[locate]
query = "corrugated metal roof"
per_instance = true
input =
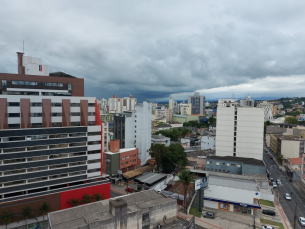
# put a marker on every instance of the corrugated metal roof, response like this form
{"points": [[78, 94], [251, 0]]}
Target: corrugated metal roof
{"points": [[233, 183]]}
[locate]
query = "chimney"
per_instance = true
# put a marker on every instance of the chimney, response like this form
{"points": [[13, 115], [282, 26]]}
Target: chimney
{"points": [[130, 96], [21, 68], [114, 96]]}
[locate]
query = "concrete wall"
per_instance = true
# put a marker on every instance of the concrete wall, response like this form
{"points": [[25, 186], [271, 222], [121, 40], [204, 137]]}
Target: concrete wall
{"points": [[208, 142], [229, 166], [253, 169], [290, 149]]}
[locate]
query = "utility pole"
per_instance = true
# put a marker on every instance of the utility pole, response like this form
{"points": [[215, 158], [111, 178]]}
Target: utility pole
{"points": [[200, 199], [254, 227]]}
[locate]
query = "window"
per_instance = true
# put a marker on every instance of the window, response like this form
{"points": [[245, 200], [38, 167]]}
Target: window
{"points": [[13, 115], [36, 114], [13, 104], [75, 114], [36, 104], [123, 158], [94, 161], [232, 164], [78, 154], [94, 133], [77, 163], [4, 84], [11, 172], [234, 154], [145, 217], [91, 104], [10, 161], [56, 104], [36, 125], [69, 86]]}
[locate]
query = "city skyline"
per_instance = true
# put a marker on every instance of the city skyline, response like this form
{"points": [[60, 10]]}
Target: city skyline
{"points": [[219, 49]]}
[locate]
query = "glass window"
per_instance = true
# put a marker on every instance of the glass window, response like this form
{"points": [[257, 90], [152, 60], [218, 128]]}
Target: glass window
{"points": [[4, 84], [69, 86], [14, 82], [21, 82], [13, 104], [54, 84], [60, 84], [145, 217]]}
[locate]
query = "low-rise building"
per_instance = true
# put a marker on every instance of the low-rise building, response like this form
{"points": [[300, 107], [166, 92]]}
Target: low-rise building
{"points": [[232, 194], [294, 163], [164, 126], [235, 165], [176, 124], [185, 142], [208, 142], [160, 139], [144, 209], [289, 146], [120, 160], [156, 181]]}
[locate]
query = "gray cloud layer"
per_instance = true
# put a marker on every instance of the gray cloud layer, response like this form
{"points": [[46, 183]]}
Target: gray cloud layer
{"points": [[154, 49]]}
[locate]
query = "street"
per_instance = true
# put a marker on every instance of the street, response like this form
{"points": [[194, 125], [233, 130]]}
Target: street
{"points": [[289, 206]]}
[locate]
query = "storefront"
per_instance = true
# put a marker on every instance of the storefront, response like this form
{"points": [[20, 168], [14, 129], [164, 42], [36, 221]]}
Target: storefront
{"points": [[231, 206]]}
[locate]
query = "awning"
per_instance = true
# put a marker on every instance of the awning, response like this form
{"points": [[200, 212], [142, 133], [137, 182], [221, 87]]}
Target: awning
{"points": [[137, 172], [231, 202]]}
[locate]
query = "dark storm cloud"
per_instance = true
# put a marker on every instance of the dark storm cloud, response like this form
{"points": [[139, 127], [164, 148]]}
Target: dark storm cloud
{"points": [[154, 49]]}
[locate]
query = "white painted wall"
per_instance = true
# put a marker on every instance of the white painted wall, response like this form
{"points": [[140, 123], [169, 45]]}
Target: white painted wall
{"points": [[208, 142], [290, 149]]}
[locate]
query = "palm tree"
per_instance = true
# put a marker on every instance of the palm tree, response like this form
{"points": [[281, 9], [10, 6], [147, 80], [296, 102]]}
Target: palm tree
{"points": [[6, 217], [27, 213], [185, 177], [87, 198], [44, 209], [74, 202], [98, 197]]}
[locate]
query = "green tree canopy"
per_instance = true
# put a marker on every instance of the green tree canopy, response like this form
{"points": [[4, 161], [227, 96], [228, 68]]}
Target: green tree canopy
{"points": [[291, 120], [27, 213], [168, 158], [6, 217], [173, 133], [44, 209]]}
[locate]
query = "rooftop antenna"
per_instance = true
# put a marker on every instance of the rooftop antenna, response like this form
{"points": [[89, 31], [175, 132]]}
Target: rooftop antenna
{"points": [[23, 46]]}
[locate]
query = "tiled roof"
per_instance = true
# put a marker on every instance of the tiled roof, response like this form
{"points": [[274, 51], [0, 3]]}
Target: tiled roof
{"points": [[296, 161]]}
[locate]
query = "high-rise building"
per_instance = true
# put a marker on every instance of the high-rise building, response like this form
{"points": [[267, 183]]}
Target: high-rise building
{"points": [[247, 102], [50, 140], [240, 131], [172, 104], [197, 102], [121, 104], [186, 109], [133, 129], [268, 110]]}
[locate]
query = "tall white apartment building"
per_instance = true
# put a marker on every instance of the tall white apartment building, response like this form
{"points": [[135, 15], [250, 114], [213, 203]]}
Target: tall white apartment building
{"points": [[240, 132], [121, 104], [268, 109], [102, 105], [247, 102], [186, 109], [172, 104], [133, 129]]}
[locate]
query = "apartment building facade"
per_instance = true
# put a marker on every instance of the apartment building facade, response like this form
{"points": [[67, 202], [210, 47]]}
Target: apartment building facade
{"points": [[240, 131], [247, 102], [50, 140], [198, 103], [133, 129], [268, 110], [121, 104]]}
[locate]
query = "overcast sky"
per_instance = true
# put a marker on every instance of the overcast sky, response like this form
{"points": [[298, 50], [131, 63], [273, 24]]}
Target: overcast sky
{"points": [[154, 49]]}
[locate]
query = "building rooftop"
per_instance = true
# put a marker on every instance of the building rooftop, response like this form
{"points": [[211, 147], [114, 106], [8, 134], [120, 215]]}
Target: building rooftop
{"points": [[159, 137], [151, 178], [233, 183], [296, 161], [81, 216], [121, 150], [163, 125], [248, 161]]}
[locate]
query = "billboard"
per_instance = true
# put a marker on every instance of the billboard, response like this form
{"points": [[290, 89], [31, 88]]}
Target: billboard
{"points": [[201, 183]]}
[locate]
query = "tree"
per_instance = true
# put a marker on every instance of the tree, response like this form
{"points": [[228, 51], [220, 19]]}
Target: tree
{"points": [[27, 213], [173, 158], [44, 209], [185, 177], [74, 202], [98, 197], [212, 120], [157, 151], [291, 120], [87, 198], [6, 217]]}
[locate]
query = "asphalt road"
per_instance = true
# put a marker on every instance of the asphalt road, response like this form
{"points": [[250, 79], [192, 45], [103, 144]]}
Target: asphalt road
{"points": [[289, 206]]}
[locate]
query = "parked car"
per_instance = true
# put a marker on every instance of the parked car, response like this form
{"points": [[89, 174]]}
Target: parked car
{"points": [[267, 227], [302, 221], [287, 196], [210, 215], [129, 189], [278, 181], [269, 212], [274, 185], [270, 157], [271, 179], [280, 168]]}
